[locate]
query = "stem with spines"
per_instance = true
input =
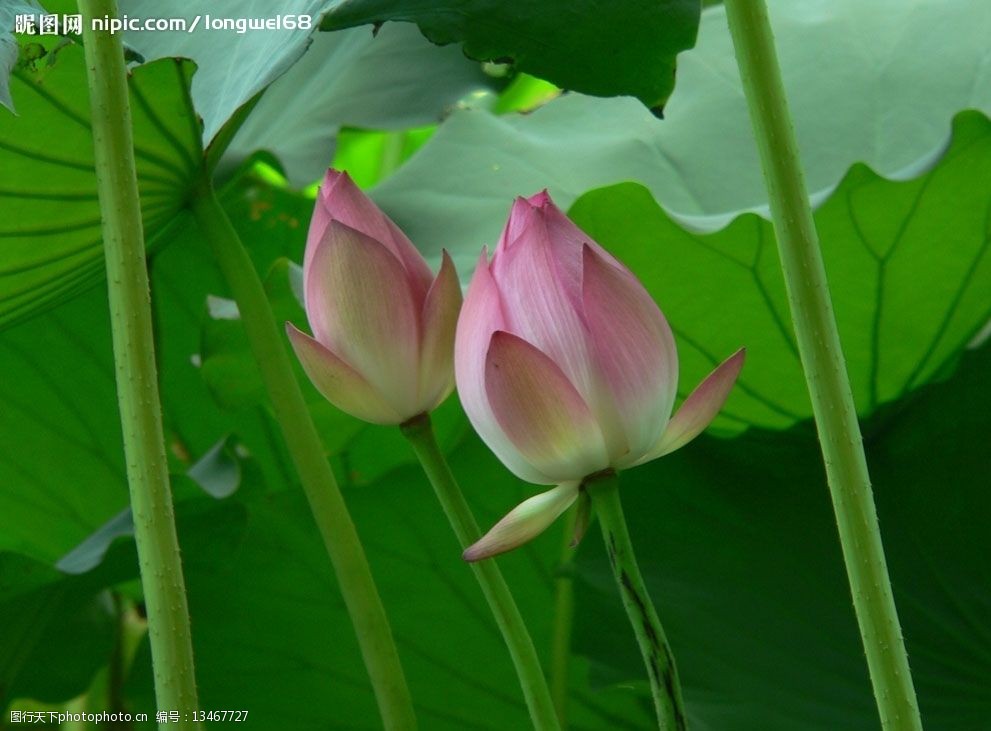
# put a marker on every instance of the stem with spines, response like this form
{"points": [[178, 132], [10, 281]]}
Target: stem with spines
{"points": [[824, 365], [134, 360]]}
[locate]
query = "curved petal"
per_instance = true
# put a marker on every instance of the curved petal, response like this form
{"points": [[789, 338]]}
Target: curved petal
{"points": [[481, 316], [338, 382], [634, 350], [541, 302], [521, 215], [524, 522], [360, 306], [700, 408], [540, 411], [439, 321], [341, 200], [569, 240]]}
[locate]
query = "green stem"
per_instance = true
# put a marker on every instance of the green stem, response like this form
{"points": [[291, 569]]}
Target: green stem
{"points": [[326, 502], [134, 359], [657, 656], [420, 434], [564, 610], [825, 369]]}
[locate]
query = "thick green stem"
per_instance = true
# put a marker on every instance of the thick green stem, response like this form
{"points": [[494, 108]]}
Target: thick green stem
{"points": [[134, 359], [326, 502], [420, 434], [657, 655], [564, 611], [825, 370]]}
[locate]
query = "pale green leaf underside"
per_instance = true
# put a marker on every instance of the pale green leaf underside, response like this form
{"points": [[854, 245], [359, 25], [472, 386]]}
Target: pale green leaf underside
{"points": [[907, 263], [868, 82], [391, 80], [234, 65]]}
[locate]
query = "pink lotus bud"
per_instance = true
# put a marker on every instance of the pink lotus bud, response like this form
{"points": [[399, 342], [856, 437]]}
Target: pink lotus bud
{"points": [[383, 326], [566, 366]]}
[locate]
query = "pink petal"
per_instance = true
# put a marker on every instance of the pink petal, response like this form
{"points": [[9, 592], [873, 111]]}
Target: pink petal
{"points": [[566, 238], [338, 382], [540, 411], [541, 302], [440, 319], [634, 350], [700, 408], [524, 522], [481, 316], [522, 213], [564, 230], [341, 200], [360, 306]]}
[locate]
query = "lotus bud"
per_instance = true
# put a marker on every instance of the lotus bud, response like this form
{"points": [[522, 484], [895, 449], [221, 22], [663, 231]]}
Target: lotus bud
{"points": [[383, 326], [566, 367]]}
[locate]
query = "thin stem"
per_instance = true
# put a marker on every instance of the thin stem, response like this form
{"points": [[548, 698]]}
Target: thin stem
{"points": [[326, 502], [825, 369], [134, 360], [564, 610], [657, 656], [420, 434]]}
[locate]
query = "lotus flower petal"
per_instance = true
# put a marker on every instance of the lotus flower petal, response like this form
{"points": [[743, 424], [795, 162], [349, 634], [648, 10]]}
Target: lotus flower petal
{"points": [[568, 240], [700, 408], [341, 200], [440, 318], [360, 306], [540, 300], [340, 383], [524, 522], [540, 411], [481, 316], [634, 350]]}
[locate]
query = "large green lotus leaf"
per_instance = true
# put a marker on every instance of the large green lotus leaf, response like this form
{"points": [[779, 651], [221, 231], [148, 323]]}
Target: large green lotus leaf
{"points": [[871, 82], [623, 47], [270, 625], [62, 468], [46, 172], [50, 238], [390, 80], [738, 545], [908, 268], [234, 64]]}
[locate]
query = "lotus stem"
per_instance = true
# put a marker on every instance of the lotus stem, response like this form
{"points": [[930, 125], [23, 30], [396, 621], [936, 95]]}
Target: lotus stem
{"points": [[825, 368], [420, 434], [665, 687], [134, 361]]}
